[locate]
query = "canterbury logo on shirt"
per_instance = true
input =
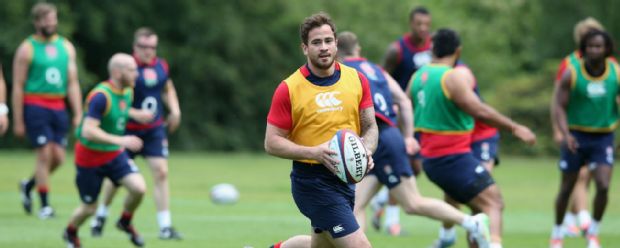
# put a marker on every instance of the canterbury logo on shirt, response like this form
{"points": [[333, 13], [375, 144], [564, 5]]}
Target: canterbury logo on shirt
{"points": [[328, 102]]}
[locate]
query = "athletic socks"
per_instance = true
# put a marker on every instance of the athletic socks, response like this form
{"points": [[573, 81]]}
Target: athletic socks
{"points": [[102, 211], [30, 184], [594, 228], [468, 223], [569, 219], [43, 195], [126, 218], [447, 234], [584, 217], [392, 215], [495, 245], [163, 219], [557, 232]]}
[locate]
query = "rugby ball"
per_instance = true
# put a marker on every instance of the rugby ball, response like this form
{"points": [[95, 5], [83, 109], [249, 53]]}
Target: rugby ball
{"points": [[224, 193], [351, 154]]}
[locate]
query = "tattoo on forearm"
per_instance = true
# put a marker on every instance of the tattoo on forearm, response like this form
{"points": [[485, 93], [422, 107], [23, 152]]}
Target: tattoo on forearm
{"points": [[368, 125]]}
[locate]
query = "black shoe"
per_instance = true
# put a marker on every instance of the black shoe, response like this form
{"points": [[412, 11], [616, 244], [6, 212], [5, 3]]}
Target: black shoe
{"points": [[168, 233], [133, 235], [72, 240], [96, 226], [25, 194]]}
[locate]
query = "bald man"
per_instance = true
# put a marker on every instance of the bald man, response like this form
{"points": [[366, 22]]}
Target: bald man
{"points": [[100, 148]]}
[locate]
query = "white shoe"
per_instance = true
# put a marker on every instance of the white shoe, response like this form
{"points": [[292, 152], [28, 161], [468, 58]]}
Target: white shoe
{"points": [[46, 213], [482, 234], [593, 242], [556, 243]]}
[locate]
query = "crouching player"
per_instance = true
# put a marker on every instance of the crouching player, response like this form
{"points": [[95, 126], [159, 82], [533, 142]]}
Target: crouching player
{"points": [[100, 153]]}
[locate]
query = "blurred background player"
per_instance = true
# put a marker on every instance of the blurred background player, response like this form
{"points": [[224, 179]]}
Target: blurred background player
{"points": [[153, 90], [392, 167], [589, 85], [4, 109], [402, 59], [307, 109], [44, 74], [445, 106], [100, 149], [578, 218], [485, 148]]}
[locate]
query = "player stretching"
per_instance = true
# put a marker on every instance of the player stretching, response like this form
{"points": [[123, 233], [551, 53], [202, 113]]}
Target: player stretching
{"points": [[44, 74], [100, 149], [586, 112], [154, 88], [307, 109], [445, 106]]}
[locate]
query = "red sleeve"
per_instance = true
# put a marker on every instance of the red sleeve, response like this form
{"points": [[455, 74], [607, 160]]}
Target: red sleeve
{"points": [[366, 95], [164, 64], [561, 69], [280, 110]]}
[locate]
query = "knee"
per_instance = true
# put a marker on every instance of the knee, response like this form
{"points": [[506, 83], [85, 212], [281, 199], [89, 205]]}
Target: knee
{"points": [[89, 209], [161, 174], [413, 206]]}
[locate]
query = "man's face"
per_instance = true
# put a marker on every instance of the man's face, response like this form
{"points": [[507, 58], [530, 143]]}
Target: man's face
{"points": [[420, 25], [145, 48], [321, 48], [47, 24], [129, 73], [595, 48]]}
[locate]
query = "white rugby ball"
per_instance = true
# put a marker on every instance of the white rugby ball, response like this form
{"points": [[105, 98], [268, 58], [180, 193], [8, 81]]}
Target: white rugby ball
{"points": [[351, 154], [224, 193]]}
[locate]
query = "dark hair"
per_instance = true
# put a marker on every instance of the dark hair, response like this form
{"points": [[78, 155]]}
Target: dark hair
{"points": [[418, 10], [609, 43], [143, 31], [315, 21], [445, 42], [41, 10]]}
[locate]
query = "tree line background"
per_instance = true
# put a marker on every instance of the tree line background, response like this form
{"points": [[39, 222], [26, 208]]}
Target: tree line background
{"points": [[227, 57]]}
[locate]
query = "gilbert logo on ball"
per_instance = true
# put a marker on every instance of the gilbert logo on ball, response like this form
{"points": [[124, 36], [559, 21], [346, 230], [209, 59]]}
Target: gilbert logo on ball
{"points": [[351, 154]]}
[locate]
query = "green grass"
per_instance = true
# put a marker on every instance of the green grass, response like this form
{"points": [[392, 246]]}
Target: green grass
{"points": [[266, 212]]}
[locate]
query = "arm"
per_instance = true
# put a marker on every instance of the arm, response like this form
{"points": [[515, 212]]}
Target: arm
{"points": [[171, 100], [279, 123], [21, 63], [557, 134], [561, 96], [91, 130], [74, 94], [141, 115], [391, 58], [4, 117], [459, 84], [406, 112]]}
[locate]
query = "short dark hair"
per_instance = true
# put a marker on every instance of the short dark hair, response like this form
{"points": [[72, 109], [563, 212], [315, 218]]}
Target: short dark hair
{"points": [[609, 43], [315, 21], [418, 10], [346, 43], [445, 42], [41, 10], [143, 31]]}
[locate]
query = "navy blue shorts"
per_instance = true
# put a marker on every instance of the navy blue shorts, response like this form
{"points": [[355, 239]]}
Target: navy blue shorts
{"points": [[594, 149], [46, 125], [391, 159], [155, 142], [486, 149], [460, 176], [324, 199], [89, 179]]}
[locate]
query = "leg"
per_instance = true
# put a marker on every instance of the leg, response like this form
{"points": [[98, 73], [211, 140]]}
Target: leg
{"points": [[81, 213], [356, 239], [58, 157], [321, 240], [566, 187], [490, 202], [42, 171], [578, 204], [96, 226], [602, 178], [364, 190], [135, 185]]}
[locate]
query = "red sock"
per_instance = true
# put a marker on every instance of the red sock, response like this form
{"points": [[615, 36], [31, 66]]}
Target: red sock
{"points": [[126, 218], [277, 245], [71, 229]]}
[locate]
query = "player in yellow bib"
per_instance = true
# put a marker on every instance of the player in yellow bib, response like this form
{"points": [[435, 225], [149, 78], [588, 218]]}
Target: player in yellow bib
{"points": [[307, 109]]}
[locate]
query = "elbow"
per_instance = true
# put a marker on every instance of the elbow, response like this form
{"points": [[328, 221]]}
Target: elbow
{"points": [[87, 133], [268, 148]]}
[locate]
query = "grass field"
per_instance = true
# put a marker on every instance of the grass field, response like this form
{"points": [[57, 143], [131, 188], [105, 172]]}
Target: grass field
{"points": [[266, 212]]}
